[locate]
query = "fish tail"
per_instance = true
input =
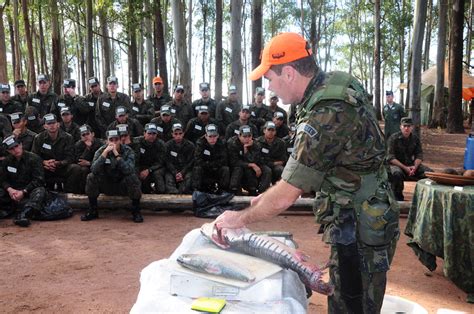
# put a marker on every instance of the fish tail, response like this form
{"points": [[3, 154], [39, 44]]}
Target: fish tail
{"points": [[316, 283]]}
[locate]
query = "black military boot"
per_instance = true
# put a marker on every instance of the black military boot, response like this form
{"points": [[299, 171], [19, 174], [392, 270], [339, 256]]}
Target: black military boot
{"points": [[136, 215], [22, 219], [91, 214]]}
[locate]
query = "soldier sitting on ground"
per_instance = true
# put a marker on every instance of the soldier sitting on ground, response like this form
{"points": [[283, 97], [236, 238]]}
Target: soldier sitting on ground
{"points": [[211, 172], [113, 173], [68, 126], [22, 183], [196, 126], [8, 105], [21, 132], [180, 108], [205, 100], [56, 148], [228, 110], [164, 123], [405, 155], [245, 160], [179, 162], [150, 152], [273, 151], [259, 113], [273, 107], [244, 119], [282, 129], [44, 98], [121, 117], [84, 151]]}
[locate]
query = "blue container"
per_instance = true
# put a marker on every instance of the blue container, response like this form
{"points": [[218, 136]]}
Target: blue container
{"points": [[469, 153]]}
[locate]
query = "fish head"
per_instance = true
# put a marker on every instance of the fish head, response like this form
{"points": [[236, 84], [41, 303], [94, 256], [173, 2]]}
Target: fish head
{"points": [[316, 283], [183, 259]]}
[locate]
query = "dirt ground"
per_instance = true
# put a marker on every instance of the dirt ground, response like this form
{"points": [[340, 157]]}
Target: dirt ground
{"points": [[73, 267]]}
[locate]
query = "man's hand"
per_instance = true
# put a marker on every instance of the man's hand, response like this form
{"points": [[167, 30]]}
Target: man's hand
{"points": [[16, 132], [116, 148], [411, 171], [83, 162], [88, 143], [258, 171], [49, 165], [15, 195], [179, 177], [144, 174], [230, 219]]}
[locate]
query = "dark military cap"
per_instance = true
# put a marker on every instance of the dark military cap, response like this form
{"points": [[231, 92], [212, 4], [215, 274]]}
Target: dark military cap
{"points": [[50, 118], [278, 115], [16, 116], [165, 110], [203, 86], [245, 130], [177, 126], [202, 109], [4, 88], [389, 93], [20, 83], [112, 133], [406, 121], [112, 79], [269, 125], [10, 142], [211, 129], [151, 127], [179, 87], [232, 89], [245, 108], [122, 129], [93, 81], [42, 77], [273, 95], [65, 110], [120, 111], [85, 129], [136, 87], [69, 83], [260, 91]]}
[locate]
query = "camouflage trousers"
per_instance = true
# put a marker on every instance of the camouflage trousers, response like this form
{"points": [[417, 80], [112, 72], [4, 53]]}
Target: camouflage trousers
{"points": [[276, 170], [61, 177], [156, 177], [173, 187], [34, 200], [397, 177], [127, 185], [245, 177], [77, 179], [359, 274], [204, 177]]}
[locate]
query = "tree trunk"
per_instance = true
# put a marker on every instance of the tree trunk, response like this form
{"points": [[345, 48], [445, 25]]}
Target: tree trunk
{"points": [[205, 13], [401, 52], [236, 45], [218, 75], [57, 58], [416, 63], [429, 23], [150, 65], [3, 47], [17, 69], [439, 106], [256, 44], [44, 62], [29, 43], [184, 75], [470, 35], [89, 40], [106, 51], [455, 118], [132, 48], [190, 32], [161, 45], [376, 96]]}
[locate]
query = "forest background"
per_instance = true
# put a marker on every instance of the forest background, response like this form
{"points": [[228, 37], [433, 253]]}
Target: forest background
{"points": [[382, 43]]}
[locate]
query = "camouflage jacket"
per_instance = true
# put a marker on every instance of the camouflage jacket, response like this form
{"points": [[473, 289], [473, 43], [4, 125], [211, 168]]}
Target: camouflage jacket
{"points": [[237, 156], [233, 129], [179, 157], [150, 156], [105, 108], [164, 129], [392, 116], [26, 138], [10, 107], [210, 157], [111, 167], [61, 149], [259, 115], [134, 127], [182, 111], [196, 128], [159, 101], [274, 151], [81, 151], [26, 173], [227, 112], [143, 112], [211, 105], [405, 150], [42, 103]]}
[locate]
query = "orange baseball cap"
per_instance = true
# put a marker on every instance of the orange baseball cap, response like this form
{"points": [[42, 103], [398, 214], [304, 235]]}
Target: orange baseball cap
{"points": [[283, 48], [157, 79]]}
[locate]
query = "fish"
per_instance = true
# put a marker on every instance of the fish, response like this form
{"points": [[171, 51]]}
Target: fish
{"points": [[243, 240], [215, 266]]}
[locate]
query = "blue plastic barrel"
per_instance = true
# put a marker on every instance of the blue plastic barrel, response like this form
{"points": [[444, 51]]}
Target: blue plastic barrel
{"points": [[469, 153]]}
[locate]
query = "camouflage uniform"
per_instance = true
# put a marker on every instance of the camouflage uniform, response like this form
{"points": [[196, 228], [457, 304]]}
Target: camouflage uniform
{"points": [[339, 154], [210, 166], [392, 116], [35, 123], [72, 130], [405, 150], [105, 109], [259, 114], [134, 127], [78, 173], [87, 107], [271, 152], [26, 139], [196, 128], [143, 112], [179, 158], [23, 101], [182, 111], [227, 112], [164, 129], [73, 104], [42, 103], [159, 101], [241, 174], [10, 107], [233, 129], [282, 131], [151, 156], [211, 104]]}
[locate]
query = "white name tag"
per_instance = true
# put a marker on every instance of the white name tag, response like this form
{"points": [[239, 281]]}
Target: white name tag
{"points": [[206, 152], [236, 132], [198, 127], [240, 153], [91, 104], [47, 146], [142, 150], [36, 100], [1, 109], [290, 149], [228, 109], [31, 118], [61, 104], [11, 169], [265, 151], [428, 182], [107, 161], [174, 154], [173, 110], [135, 109], [252, 114], [106, 104], [458, 188], [160, 129]]}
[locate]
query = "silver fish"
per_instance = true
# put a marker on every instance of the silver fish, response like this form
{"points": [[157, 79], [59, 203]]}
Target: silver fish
{"points": [[215, 266], [244, 241]]}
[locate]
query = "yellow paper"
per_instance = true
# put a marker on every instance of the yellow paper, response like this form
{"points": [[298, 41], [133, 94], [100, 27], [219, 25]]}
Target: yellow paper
{"points": [[211, 305]]}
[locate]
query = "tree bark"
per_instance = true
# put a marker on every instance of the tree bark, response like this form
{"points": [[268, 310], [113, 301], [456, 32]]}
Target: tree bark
{"points": [[89, 40], [376, 96], [13, 43], [218, 66], [42, 44], [132, 47], [256, 44], [439, 106], [429, 23], [17, 69], [57, 58], [150, 65], [416, 63], [470, 35], [3, 47], [106, 51], [190, 33], [205, 14], [184, 75], [29, 43], [455, 118], [236, 45], [161, 45]]}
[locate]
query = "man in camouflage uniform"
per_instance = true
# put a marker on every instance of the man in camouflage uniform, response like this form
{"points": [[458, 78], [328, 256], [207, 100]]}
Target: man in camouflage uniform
{"points": [[273, 151], [108, 103], [179, 162], [259, 113], [21, 132], [142, 110], [290, 139], [90, 102], [21, 94], [160, 96], [44, 99], [35, 123], [8, 105], [22, 183], [113, 173], [405, 156], [151, 160], [228, 110], [205, 100], [56, 149], [121, 117], [244, 119], [392, 114], [339, 154], [180, 108], [84, 151], [210, 162], [77, 107], [245, 160], [196, 126], [282, 129], [164, 123], [273, 107], [67, 124]]}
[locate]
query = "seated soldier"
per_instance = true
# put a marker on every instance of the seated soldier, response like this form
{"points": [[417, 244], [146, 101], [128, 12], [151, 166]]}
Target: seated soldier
{"points": [[68, 126], [244, 119], [196, 126], [211, 172], [142, 109], [281, 127], [245, 160], [179, 162], [259, 113], [34, 121], [151, 160], [273, 151], [56, 148], [405, 156], [164, 123], [22, 183], [21, 132], [113, 173], [84, 151], [121, 117]]}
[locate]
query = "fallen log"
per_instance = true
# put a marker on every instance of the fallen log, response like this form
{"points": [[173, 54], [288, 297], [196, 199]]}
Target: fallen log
{"points": [[181, 202]]}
